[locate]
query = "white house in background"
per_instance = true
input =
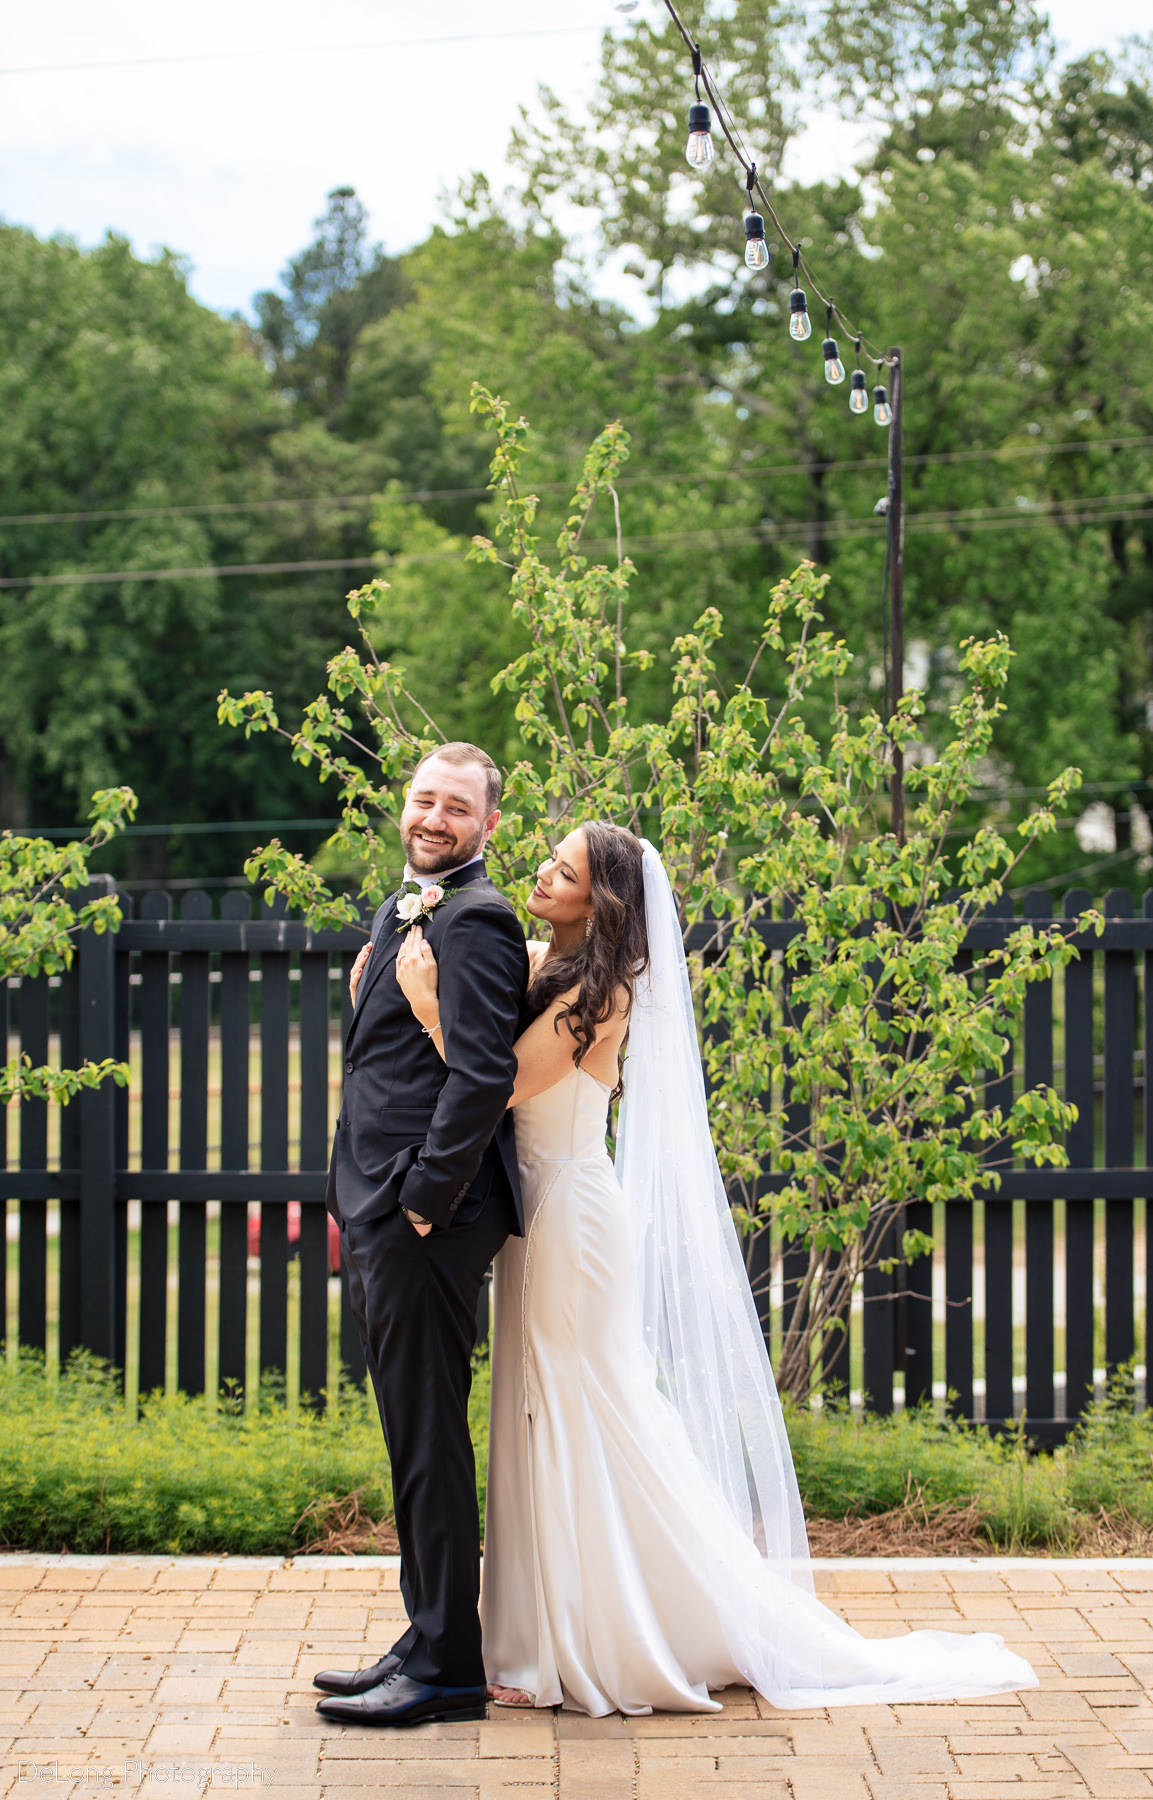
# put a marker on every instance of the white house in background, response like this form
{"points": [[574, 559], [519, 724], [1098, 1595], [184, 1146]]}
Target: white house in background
{"points": [[1096, 829]]}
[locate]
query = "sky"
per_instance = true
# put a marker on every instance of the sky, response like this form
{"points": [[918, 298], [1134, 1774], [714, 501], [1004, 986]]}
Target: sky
{"points": [[220, 128]]}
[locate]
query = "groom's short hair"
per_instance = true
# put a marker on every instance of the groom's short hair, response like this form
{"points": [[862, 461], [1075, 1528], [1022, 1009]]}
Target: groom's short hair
{"points": [[460, 752]]}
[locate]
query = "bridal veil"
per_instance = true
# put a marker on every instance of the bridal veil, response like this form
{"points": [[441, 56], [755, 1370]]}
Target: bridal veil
{"points": [[701, 1330]]}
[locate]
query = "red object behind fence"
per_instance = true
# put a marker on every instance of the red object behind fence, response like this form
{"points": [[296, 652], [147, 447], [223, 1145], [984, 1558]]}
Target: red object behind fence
{"points": [[294, 1236]]}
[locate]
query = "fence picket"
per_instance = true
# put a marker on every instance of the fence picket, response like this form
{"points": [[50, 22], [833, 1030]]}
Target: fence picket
{"points": [[6, 1023], [235, 1038], [314, 1005], [999, 1247], [192, 1255], [274, 1021], [1079, 1225], [919, 1311], [1039, 1213], [68, 1301], [1120, 1028], [794, 1255], [33, 1259], [121, 1116], [155, 1079], [96, 960], [1147, 1121], [959, 1287], [351, 1348]]}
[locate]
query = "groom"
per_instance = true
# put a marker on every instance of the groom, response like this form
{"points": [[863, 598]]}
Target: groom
{"points": [[424, 1186]]}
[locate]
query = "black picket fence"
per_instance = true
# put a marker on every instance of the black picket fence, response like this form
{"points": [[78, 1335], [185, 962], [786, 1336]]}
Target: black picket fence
{"points": [[178, 1228]]}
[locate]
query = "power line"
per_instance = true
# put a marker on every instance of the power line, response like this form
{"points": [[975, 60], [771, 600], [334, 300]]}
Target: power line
{"points": [[84, 577], [200, 828], [853, 465], [964, 519], [269, 50]]}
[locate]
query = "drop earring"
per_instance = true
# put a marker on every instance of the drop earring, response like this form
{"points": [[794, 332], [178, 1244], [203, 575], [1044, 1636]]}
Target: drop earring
{"points": [[588, 929]]}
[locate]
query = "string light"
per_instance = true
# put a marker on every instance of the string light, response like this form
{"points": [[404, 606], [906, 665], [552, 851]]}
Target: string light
{"points": [[700, 121], [858, 392], [756, 249], [699, 151], [800, 325], [882, 411], [834, 367]]}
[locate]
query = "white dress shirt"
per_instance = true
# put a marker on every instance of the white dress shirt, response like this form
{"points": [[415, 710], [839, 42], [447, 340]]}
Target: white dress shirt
{"points": [[427, 881]]}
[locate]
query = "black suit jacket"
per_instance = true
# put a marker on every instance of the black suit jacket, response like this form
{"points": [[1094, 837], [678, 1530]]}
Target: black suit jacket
{"points": [[415, 1131]]}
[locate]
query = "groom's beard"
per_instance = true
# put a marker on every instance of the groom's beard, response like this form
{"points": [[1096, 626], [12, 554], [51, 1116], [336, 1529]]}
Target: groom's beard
{"points": [[430, 859]]}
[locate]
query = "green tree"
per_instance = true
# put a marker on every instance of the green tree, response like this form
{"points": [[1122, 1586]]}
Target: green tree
{"points": [[331, 291], [124, 399]]}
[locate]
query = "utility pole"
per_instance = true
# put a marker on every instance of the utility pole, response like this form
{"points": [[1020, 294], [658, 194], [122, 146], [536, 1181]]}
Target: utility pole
{"points": [[896, 527]]}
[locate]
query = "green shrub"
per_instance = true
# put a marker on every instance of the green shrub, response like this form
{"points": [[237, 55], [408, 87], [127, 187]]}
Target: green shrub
{"points": [[1109, 1463], [77, 1472]]}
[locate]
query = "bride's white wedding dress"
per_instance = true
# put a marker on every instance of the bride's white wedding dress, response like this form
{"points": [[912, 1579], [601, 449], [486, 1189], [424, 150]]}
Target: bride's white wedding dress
{"points": [[623, 1568]]}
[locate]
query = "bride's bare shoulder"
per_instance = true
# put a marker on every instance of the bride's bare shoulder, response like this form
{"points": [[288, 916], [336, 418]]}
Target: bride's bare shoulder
{"points": [[537, 951]]}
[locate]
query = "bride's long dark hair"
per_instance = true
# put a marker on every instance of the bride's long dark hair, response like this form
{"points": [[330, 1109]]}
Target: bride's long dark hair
{"points": [[615, 954]]}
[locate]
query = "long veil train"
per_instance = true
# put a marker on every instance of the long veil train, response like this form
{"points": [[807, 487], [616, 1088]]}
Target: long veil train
{"points": [[701, 1327]]}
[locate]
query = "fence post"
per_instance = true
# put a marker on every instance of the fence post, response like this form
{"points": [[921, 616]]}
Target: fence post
{"points": [[96, 959]]}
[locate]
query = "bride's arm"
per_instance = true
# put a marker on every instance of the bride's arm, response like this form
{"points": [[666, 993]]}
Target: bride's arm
{"points": [[544, 1052], [416, 971]]}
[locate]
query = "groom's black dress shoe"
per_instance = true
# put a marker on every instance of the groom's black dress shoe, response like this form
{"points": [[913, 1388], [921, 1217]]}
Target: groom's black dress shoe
{"points": [[356, 1681], [399, 1700]]}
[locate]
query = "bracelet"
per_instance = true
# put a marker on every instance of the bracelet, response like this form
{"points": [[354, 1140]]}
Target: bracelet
{"points": [[431, 1030]]}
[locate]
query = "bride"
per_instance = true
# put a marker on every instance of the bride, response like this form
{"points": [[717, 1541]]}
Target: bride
{"points": [[644, 1539]]}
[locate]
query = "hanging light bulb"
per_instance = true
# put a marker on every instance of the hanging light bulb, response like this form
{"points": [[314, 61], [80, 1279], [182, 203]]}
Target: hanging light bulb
{"points": [[858, 394], [882, 411], [834, 367], [756, 249], [800, 325], [699, 151]]}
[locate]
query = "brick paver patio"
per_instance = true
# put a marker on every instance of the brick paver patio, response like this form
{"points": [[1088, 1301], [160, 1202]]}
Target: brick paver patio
{"points": [[145, 1673]]}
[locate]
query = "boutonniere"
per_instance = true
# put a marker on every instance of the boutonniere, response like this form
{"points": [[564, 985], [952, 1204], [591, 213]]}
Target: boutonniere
{"points": [[416, 903]]}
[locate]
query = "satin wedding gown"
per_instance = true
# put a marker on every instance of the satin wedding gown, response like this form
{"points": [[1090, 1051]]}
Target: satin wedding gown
{"points": [[616, 1574]]}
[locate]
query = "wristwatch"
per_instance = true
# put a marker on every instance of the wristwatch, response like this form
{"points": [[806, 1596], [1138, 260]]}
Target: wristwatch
{"points": [[413, 1218]]}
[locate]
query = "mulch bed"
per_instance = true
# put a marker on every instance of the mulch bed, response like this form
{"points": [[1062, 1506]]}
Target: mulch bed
{"points": [[915, 1528]]}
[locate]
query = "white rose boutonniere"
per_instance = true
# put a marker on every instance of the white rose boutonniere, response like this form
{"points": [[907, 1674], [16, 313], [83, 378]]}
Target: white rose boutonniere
{"points": [[415, 904]]}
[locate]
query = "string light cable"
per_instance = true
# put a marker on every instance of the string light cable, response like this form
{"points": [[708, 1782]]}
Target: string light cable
{"points": [[800, 325], [268, 50]]}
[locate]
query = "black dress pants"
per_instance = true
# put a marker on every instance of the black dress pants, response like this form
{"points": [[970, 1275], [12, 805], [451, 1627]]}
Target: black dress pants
{"points": [[415, 1299]]}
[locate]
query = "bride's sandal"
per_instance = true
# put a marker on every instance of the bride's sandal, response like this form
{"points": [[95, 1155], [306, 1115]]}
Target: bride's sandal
{"points": [[506, 1696]]}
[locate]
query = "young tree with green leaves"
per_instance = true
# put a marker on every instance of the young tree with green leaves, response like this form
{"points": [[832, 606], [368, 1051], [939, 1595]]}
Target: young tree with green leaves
{"points": [[766, 798], [38, 926]]}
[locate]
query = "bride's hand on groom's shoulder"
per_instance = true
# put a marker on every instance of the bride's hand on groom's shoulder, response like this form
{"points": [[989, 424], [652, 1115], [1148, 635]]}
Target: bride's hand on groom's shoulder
{"points": [[416, 972], [358, 970]]}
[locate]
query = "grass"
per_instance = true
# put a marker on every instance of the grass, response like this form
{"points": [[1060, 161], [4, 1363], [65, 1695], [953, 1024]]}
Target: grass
{"points": [[79, 1472]]}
